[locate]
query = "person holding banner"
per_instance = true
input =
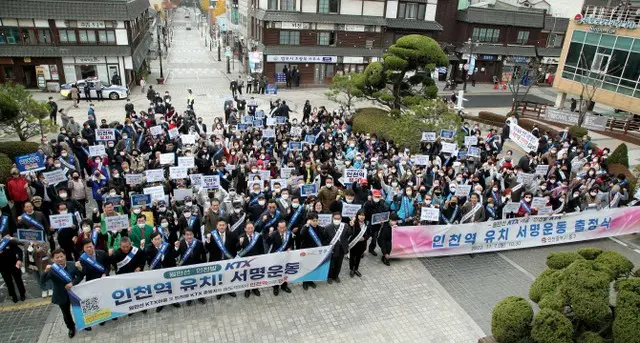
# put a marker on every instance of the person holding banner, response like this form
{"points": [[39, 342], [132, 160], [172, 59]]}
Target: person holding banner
{"points": [[384, 238], [358, 236], [191, 251], [160, 254], [310, 238], [376, 205], [336, 235], [472, 211], [11, 257], [67, 236], [250, 244], [32, 219], [92, 264], [526, 209], [280, 240], [62, 273], [128, 258]]}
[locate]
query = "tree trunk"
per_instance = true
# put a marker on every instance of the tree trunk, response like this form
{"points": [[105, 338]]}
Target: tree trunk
{"points": [[396, 95]]}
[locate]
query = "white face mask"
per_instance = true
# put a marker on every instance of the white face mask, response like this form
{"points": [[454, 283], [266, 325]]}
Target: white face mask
{"points": [[63, 195], [112, 194], [261, 202], [294, 205], [187, 214], [237, 210], [165, 224], [376, 199], [63, 211], [348, 200], [86, 229], [285, 196], [428, 202], [337, 222], [136, 211], [329, 185], [189, 203]]}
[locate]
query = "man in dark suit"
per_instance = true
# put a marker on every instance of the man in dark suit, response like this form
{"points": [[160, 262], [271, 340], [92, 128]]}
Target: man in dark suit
{"points": [[62, 273], [11, 257], [337, 235], [280, 240], [191, 251], [222, 244], [93, 263], [128, 259], [160, 255], [250, 244], [310, 238]]}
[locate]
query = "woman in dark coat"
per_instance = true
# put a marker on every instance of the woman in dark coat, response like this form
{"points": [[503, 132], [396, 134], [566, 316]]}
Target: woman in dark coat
{"points": [[358, 237]]}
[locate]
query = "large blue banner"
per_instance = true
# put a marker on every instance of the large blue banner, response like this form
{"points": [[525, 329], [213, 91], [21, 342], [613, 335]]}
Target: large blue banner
{"points": [[30, 163]]}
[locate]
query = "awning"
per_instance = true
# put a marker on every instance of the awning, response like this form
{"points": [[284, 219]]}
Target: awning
{"points": [[482, 49], [549, 52]]}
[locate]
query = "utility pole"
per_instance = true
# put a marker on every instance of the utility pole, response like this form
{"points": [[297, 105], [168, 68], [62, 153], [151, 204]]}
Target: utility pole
{"points": [[159, 45], [466, 76]]}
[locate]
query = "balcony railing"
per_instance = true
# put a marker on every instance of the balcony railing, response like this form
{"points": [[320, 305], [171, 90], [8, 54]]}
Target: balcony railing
{"points": [[622, 13]]}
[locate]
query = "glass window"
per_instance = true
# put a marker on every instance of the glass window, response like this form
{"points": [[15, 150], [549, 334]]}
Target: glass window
{"points": [[12, 35], [87, 36], [636, 45], [323, 38], [44, 36], [578, 36], [422, 8], [287, 5], [411, 11], [329, 6], [586, 58], [593, 38], [28, 36], [290, 37], [608, 41], [272, 5], [617, 62], [523, 37], [625, 90], [624, 43], [68, 36], [632, 68]]}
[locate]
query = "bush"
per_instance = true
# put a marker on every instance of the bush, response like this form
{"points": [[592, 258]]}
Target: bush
{"points": [[592, 308], [554, 301], [492, 117], [590, 253], [551, 327], [560, 260], [616, 262], [620, 156], [13, 149], [511, 320], [404, 130], [578, 132], [5, 168], [590, 337], [546, 283], [626, 325], [631, 285], [637, 273]]}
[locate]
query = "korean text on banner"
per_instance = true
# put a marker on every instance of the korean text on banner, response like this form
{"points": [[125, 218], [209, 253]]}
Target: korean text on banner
{"points": [[463, 190], [180, 193], [133, 179], [421, 160], [525, 139], [168, 158], [97, 150], [178, 172], [324, 220], [157, 192], [55, 177], [30, 163], [428, 137], [514, 233], [115, 223], [350, 210], [115, 296], [186, 161], [61, 221], [379, 218], [140, 199], [542, 169], [449, 147], [156, 130], [353, 175], [430, 214], [154, 175], [470, 140], [308, 190], [188, 139], [210, 181], [25, 235], [105, 134]]}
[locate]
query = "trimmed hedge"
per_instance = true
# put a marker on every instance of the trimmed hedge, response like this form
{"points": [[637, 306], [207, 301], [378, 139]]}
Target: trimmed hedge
{"points": [[5, 168], [527, 124], [511, 320], [626, 325], [590, 337], [560, 260], [616, 262], [578, 132], [545, 284], [590, 253], [13, 149], [404, 130], [551, 326], [620, 156]]}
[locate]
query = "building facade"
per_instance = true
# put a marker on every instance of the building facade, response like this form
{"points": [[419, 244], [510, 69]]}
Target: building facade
{"points": [[55, 41], [602, 49]]}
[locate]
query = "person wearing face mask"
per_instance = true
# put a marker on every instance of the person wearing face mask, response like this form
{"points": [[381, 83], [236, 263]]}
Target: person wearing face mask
{"points": [[336, 235], [327, 193], [591, 199], [67, 237], [526, 209], [450, 212], [68, 160], [140, 232], [17, 190], [374, 206], [384, 239], [189, 220], [472, 211], [358, 236], [406, 206]]}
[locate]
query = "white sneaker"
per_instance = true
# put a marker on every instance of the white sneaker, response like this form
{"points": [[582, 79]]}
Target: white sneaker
{"points": [[51, 292], [44, 294]]}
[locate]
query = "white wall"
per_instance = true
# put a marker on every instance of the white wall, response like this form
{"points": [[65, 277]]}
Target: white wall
{"points": [[309, 6], [557, 8], [121, 37], [351, 7], [392, 9], [430, 13], [374, 8], [263, 4]]}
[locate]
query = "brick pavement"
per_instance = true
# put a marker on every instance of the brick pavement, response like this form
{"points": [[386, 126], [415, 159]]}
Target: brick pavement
{"points": [[401, 303], [23, 324]]}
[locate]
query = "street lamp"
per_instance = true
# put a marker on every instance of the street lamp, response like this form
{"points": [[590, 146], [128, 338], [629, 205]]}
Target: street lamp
{"points": [[471, 45], [158, 28]]}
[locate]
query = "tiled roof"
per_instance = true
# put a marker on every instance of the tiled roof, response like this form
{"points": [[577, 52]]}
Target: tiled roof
{"points": [[62, 51], [320, 18], [73, 9], [482, 49], [549, 52], [555, 24], [494, 16], [414, 24], [320, 51]]}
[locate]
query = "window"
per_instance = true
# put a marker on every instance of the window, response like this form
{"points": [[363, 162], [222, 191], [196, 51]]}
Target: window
{"points": [[68, 37], [28, 36], [326, 38], [10, 35], [328, 6], [485, 35], [44, 36], [8, 73], [87, 36], [287, 5], [555, 40], [107, 37], [290, 37], [523, 37], [573, 55], [272, 5], [600, 63], [410, 10]]}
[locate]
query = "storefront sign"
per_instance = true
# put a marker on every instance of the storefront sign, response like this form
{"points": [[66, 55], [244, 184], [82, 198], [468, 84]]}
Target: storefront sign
{"points": [[488, 57], [89, 60], [550, 60], [591, 121], [354, 28], [298, 58], [353, 60], [91, 24], [294, 26], [517, 59], [255, 61], [613, 23]]}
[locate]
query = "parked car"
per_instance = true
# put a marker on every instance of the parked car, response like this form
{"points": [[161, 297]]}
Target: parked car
{"points": [[113, 92], [188, 26]]}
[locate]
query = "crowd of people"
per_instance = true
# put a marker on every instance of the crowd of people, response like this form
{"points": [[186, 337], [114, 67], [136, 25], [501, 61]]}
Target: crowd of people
{"points": [[258, 205]]}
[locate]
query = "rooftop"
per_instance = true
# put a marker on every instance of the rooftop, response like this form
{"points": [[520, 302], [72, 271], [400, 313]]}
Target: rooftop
{"points": [[73, 9]]}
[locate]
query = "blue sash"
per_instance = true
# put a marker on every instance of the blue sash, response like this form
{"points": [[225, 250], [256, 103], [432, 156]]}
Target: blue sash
{"points": [[126, 144], [242, 252], [218, 240], [63, 274], [160, 255], [273, 220], [94, 237], [495, 197], [161, 232], [191, 221], [32, 221], [67, 164], [293, 219], [526, 207], [491, 211], [4, 242], [85, 151], [3, 225], [140, 139], [287, 236], [448, 221], [93, 263], [314, 236], [217, 152], [189, 251]]}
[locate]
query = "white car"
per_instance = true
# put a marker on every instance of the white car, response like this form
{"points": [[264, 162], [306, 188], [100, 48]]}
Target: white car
{"points": [[113, 92]]}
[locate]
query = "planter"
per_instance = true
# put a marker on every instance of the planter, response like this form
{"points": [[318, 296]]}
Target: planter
{"points": [[160, 81], [488, 339]]}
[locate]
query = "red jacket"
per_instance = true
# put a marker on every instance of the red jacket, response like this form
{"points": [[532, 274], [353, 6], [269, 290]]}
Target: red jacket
{"points": [[16, 190]]}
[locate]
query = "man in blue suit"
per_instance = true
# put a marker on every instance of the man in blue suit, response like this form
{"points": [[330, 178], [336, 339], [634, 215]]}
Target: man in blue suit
{"points": [[62, 274]]}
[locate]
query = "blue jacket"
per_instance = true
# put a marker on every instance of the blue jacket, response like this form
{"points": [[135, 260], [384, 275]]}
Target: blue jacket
{"points": [[95, 188]]}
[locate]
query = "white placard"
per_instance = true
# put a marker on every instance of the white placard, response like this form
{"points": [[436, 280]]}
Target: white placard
{"points": [[180, 193], [97, 150], [510, 207], [542, 169], [173, 133], [379, 218], [525, 178], [61, 221], [463, 190], [196, 179], [449, 147], [116, 223], [55, 177], [421, 160], [188, 139], [154, 175], [178, 172], [210, 181], [105, 134], [186, 161], [271, 122], [264, 174], [156, 130], [133, 179], [352, 175], [429, 214], [538, 202], [168, 158], [350, 210], [428, 137], [157, 192], [473, 151], [470, 140], [525, 139], [324, 220], [269, 133], [285, 173], [545, 211], [296, 131]]}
